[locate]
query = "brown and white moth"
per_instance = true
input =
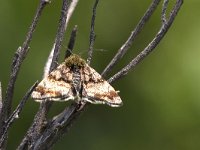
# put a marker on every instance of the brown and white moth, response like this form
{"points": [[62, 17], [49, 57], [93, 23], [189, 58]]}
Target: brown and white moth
{"points": [[75, 80]]}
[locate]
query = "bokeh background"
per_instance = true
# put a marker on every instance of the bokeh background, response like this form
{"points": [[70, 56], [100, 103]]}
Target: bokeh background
{"points": [[161, 95]]}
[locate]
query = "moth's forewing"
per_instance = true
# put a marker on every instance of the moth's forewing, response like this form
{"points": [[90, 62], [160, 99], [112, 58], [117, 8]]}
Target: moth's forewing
{"points": [[56, 86], [97, 90]]}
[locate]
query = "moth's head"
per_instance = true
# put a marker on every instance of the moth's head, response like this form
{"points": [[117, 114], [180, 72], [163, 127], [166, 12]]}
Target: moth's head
{"points": [[75, 60]]}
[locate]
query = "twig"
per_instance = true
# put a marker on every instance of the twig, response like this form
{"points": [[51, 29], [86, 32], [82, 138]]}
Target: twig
{"points": [[40, 118], [58, 41], [131, 38], [164, 28], [41, 143], [59, 37], [18, 59], [15, 114], [70, 47], [70, 11], [71, 42], [57, 127], [60, 34], [164, 9], [48, 62], [44, 106], [69, 14], [92, 33]]}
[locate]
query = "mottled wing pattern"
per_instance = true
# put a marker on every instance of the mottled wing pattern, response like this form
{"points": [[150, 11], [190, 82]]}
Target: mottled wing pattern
{"points": [[96, 90], [56, 86]]}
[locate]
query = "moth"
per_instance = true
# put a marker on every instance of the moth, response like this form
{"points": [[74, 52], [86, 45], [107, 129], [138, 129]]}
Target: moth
{"points": [[75, 80]]}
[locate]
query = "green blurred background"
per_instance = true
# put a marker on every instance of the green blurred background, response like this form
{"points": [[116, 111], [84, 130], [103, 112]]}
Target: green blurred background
{"points": [[161, 95]]}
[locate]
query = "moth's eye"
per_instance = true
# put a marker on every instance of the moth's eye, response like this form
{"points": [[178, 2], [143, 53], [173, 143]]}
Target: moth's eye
{"points": [[72, 67]]}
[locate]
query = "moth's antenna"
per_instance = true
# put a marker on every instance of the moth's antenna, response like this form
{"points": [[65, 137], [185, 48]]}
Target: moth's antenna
{"points": [[94, 49], [100, 50], [92, 33], [71, 42]]}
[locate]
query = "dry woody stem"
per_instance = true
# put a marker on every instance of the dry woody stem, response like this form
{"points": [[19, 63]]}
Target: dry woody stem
{"points": [[15, 114], [151, 46], [38, 123], [92, 33], [43, 133], [71, 43], [18, 58], [124, 48]]}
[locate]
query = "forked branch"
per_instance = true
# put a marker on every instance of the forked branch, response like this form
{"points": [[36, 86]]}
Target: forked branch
{"points": [[15, 114], [18, 58], [124, 48], [161, 33], [17, 61]]}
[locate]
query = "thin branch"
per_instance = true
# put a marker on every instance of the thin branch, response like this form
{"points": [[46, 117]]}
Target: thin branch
{"points": [[123, 49], [71, 43], [48, 62], [34, 130], [69, 14], [163, 30], [92, 33], [60, 34], [59, 38], [40, 118], [17, 61], [164, 9], [57, 127], [15, 114], [18, 58], [70, 11], [41, 143]]}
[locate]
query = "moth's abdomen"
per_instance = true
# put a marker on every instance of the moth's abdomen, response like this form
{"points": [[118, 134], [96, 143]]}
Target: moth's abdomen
{"points": [[77, 81]]}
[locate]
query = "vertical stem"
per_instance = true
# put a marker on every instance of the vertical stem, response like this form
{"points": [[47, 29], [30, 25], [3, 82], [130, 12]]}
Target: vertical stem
{"points": [[18, 58], [60, 34], [124, 48], [92, 33], [71, 43], [69, 14], [17, 61]]}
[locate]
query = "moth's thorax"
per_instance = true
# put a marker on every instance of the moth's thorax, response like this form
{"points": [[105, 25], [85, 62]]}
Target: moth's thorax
{"points": [[75, 61], [76, 81]]}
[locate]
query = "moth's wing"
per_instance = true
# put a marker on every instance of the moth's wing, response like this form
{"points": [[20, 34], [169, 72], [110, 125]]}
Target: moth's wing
{"points": [[96, 90], [56, 86]]}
